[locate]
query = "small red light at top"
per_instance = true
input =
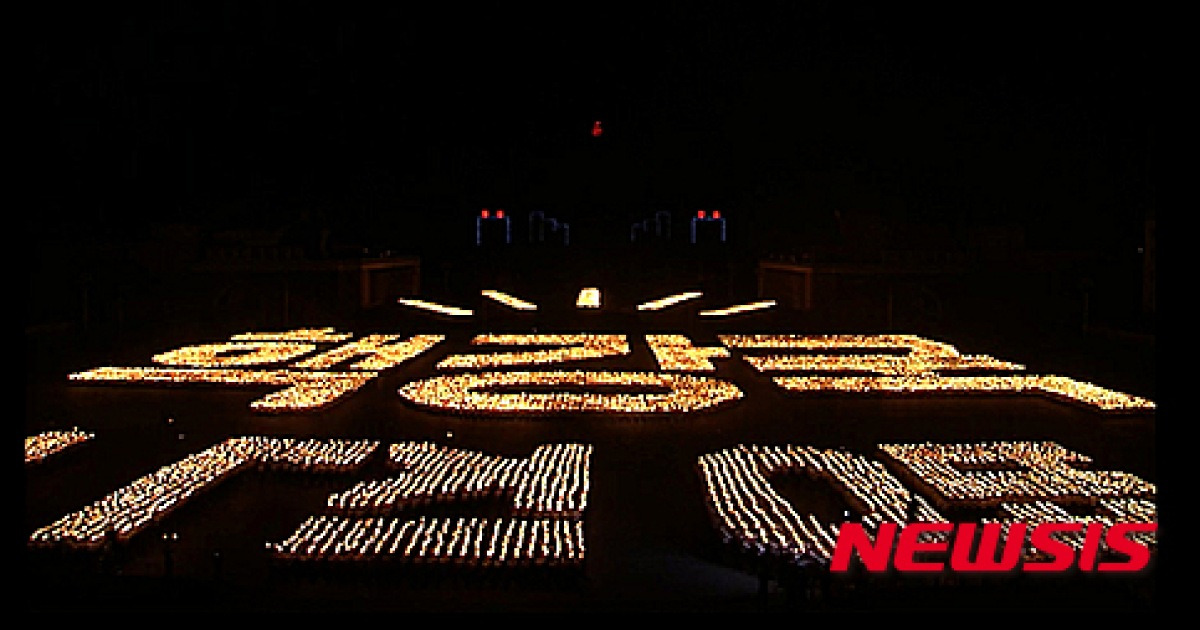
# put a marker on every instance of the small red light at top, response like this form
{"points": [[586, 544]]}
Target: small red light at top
{"points": [[500, 214], [716, 214], [700, 214], [484, 213], [596, 130]]}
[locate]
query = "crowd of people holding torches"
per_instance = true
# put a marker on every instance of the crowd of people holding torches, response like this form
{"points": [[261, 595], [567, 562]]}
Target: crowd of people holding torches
{"points": [[876, 364], [39, 447], [305, 388], [911, 364], [907, 365], [549, 491], [469, 541], [990, 473], [909, 344], [311, 455], [1061, 387], [181, 376], [675, 353], [303, 391], [131, 509], [379, 352], [468, 393], [748, 511], [234, 354], [672, 351], [1109, 512], [566, 348], [549, 488], [551, 481]]}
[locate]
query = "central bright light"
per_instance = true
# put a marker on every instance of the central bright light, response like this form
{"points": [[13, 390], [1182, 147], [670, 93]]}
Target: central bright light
{"points": [[588, 298]]}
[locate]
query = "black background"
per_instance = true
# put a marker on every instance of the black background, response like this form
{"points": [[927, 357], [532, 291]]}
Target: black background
{"points": [[374, 118], [811, 125]]}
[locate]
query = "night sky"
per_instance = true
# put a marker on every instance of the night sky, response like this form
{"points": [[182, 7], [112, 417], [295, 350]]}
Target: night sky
{"points": [[393, 124]]}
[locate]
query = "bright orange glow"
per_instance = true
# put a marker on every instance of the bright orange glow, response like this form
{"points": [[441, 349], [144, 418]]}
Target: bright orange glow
{"points": [[750, 512], [304, 390], [971, 473], [151, 498], [550, 482], [381, 352], [912, 344], [474, 393], [571, 348], [43, 445], [231, 354], [548, 492], [675, 353], [1061, 387], [470, 541]]}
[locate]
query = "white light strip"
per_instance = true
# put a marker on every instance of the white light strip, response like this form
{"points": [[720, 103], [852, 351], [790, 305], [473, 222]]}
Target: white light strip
{"points": [[509, 300], [588, 298], [436, 308], [670, 300], [739, 308]]}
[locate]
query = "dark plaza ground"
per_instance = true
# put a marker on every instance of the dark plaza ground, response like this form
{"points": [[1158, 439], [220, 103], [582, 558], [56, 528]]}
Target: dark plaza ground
{"points": [[651, 545]]}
